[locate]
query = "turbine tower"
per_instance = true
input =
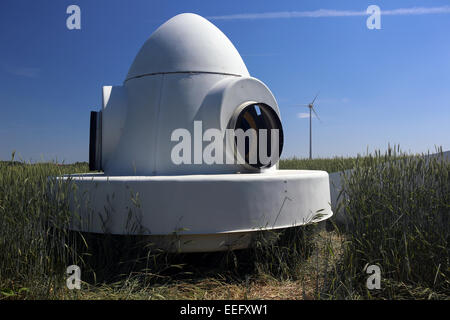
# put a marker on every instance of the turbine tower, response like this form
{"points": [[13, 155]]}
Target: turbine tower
{"points": [[311, 110]]}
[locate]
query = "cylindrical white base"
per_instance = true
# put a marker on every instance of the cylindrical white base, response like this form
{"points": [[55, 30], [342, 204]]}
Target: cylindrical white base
{"points": [[201, 212]]}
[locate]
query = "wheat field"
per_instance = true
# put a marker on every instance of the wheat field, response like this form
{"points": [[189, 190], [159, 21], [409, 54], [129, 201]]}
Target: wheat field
{"points": [[397, 208]]}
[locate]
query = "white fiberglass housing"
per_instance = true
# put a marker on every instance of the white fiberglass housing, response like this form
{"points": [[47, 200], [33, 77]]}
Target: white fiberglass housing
{"points": [[186, 71], [189, 73]]}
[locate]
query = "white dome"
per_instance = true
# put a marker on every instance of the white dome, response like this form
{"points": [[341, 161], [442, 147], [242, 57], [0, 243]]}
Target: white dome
{"points": [[187, 43]]}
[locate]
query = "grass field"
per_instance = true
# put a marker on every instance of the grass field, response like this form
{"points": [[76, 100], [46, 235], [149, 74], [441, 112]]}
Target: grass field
{"points": [[397, 207]]}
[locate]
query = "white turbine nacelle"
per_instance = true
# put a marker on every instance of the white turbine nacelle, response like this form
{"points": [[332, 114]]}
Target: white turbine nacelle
{"points": [[187, 71], [188, 145]]}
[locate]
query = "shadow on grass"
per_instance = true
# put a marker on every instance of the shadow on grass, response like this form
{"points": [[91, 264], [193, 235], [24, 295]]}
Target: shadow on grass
{"points": [[109, 258]]}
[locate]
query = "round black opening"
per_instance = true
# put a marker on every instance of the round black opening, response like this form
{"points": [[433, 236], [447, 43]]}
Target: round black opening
{"points": [[260, 147]]}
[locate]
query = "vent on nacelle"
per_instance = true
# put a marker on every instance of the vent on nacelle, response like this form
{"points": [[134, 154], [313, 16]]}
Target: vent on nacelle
{"points": [[95, 141]]}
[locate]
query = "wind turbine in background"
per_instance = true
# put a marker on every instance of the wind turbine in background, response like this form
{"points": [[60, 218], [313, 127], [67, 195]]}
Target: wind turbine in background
{"points": [[311, 110]]}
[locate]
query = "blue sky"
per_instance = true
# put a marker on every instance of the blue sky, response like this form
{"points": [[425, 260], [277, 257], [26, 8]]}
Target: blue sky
{"points": [[376, 86]]}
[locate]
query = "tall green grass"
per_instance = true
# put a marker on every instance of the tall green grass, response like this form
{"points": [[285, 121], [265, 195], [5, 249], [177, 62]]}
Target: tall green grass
{"points": [[325, 164], [397, 208], [34, 250]]}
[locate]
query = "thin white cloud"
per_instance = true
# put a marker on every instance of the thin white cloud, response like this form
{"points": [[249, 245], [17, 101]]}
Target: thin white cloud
{"points": [[22, 71], [27, 72], [303, 115], [330, 13], [416, 11]]}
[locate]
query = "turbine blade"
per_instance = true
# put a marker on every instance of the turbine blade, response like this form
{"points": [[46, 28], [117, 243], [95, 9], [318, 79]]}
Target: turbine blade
{"points": [[317, 116], [298, 105], [315, 98]]}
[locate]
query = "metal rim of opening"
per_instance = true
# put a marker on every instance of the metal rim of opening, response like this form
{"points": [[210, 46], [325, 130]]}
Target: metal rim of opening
{"points": [[257, 116]]}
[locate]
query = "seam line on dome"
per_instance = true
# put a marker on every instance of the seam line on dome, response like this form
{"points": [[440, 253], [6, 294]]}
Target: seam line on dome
{"points": [[158, 115], [192, 72]]}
